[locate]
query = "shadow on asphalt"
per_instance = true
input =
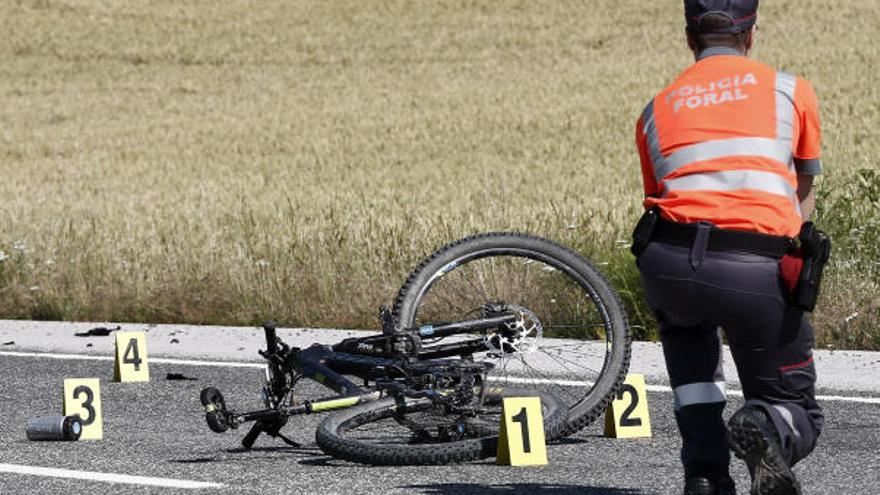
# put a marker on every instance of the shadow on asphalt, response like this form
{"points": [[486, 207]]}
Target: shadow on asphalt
{"points": [[258, 454], [198, 460], [289, 449], [325, 460], [576, 440], [522, 488]]}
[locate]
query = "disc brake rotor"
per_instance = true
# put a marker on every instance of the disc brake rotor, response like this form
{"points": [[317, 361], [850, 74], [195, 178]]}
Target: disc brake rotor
{"points": [[520, 336]]}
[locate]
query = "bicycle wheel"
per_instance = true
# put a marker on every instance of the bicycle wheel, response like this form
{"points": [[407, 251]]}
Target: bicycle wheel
{"points": [[571, 336], [418, 432]]}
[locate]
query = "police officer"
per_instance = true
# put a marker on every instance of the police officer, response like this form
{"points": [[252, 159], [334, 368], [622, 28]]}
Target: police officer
{"points": [[728, 153]]}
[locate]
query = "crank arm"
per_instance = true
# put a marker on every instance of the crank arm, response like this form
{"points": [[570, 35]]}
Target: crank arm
{"points": [[267, 415]]}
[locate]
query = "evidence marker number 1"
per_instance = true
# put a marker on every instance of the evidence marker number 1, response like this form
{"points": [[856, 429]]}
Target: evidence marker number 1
{"points": [[521, 439]]}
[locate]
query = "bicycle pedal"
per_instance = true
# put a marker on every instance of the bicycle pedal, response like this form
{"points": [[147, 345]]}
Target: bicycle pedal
{"points": [[386, 318]]}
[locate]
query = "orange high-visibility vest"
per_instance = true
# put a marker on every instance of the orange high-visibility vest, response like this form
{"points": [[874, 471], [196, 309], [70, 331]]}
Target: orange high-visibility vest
{"points": [[724, 143]]}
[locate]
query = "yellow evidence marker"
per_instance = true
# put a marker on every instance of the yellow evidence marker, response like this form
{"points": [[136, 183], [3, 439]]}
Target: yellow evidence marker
{"points": [[627, 416], [521, 440], [131, 358], [82, 396]]}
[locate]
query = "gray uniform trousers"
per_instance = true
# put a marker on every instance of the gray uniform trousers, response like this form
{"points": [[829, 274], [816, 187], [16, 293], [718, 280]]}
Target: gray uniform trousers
{"points": [[693, 292]]}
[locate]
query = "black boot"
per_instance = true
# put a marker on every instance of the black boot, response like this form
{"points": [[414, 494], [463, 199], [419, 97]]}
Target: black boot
{"points": [[754, 439], [708, 482]]}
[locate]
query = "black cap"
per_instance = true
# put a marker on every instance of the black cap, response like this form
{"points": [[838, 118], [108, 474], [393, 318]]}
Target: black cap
{"points": [[742, 14]]}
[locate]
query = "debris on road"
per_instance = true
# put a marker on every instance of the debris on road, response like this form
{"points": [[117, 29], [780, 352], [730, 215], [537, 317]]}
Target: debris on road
{"points": [[179, 376], [54, 428], [97, 332]]}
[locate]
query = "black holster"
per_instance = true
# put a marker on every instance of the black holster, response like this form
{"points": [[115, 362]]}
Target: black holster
{"points": [[644, 230], [816, 248]]}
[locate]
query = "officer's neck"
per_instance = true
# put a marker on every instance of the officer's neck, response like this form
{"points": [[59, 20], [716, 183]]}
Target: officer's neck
{"points": [[719, 50]]}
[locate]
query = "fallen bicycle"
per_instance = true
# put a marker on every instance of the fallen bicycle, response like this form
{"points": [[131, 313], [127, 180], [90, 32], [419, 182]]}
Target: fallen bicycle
{"points": [[487, 317]]}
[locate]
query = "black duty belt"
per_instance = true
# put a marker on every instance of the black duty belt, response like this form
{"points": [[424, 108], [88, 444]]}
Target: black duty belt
{"points": [[683, 234]]}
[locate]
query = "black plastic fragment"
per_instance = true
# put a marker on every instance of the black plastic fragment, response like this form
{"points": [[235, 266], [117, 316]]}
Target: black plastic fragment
{"points": [[179, 376], [97, 332]]}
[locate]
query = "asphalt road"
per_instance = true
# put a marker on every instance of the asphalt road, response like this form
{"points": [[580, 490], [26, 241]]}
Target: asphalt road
{"points": [[156, 429]]}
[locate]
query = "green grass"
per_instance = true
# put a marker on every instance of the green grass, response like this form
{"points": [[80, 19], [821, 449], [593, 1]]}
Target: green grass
{"points": [[228, 162]]}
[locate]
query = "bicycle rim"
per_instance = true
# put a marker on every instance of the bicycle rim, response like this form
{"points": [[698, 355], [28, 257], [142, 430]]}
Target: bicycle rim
{"points": [[422, 433], [573, 340]]}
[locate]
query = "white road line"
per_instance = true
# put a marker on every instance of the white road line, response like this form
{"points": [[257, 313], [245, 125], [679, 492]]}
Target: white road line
{"points": [[844, 398], [84, 357], [667, 389], [87, 357], [234, 364], [106, 477], [226, 364]]}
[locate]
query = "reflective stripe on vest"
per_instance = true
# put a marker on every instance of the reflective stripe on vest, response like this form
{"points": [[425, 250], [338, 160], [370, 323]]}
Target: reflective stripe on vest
{"points": [[732, 180], [773, 149], [778, 150]]}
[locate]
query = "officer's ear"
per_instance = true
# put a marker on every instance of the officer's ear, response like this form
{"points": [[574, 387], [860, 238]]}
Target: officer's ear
{"points": [[690, 40], [750, 39]]}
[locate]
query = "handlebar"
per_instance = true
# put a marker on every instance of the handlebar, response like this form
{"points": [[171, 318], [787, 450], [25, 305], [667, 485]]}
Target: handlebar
{"points": [[271, 338]]}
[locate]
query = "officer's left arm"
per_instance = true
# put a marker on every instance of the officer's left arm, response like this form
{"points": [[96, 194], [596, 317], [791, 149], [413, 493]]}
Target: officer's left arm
{"points": [[648, 180], [807, 149], [806, 195]]}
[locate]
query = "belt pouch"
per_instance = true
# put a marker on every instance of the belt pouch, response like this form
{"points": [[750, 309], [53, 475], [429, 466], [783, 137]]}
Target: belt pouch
{"points": [[816, 247], [644, 230]]}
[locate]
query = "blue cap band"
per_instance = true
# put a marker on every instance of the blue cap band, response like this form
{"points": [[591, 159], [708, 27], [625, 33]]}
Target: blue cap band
{"points": [[742, 15]]}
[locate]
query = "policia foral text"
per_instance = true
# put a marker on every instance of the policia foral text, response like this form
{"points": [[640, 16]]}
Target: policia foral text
{"points": [[728, 154]]}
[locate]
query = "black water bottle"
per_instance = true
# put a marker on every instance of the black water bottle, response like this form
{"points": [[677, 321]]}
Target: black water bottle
{"points": [[65, 428]]}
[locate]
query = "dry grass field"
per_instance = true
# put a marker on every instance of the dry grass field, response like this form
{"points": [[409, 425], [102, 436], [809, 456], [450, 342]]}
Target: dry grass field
{"points": [[231, 161]]}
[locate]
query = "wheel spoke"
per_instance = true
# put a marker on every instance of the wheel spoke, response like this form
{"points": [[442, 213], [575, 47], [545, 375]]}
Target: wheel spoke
{"points": [[562, 362], [544, 379]]}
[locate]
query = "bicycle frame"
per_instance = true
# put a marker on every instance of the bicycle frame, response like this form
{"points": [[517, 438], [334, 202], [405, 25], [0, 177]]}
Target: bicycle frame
{"points": [[387, 359]]}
